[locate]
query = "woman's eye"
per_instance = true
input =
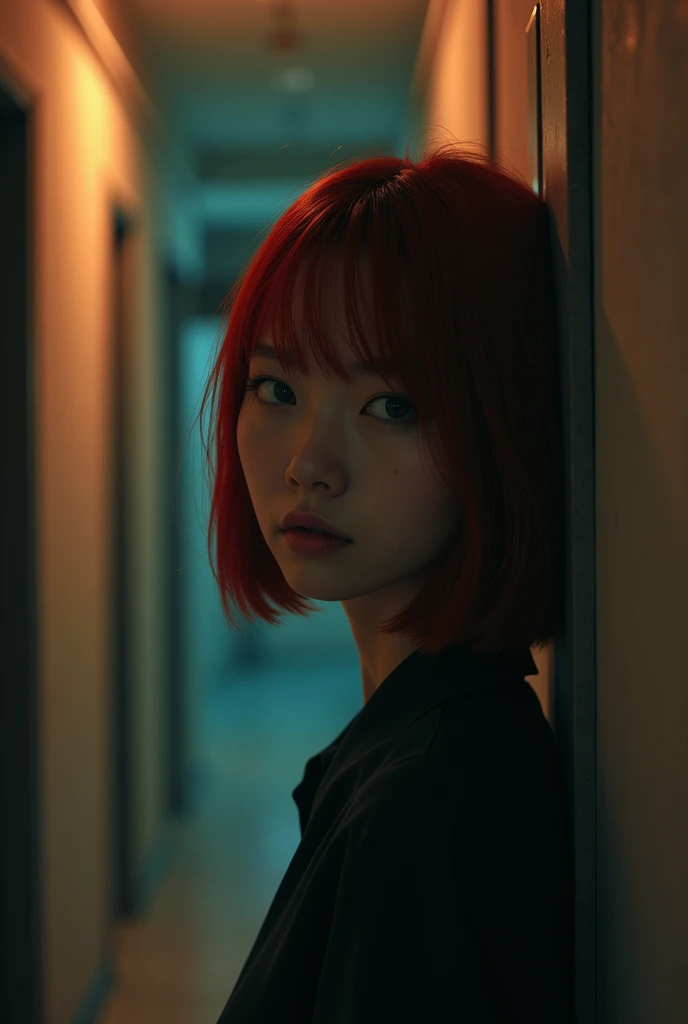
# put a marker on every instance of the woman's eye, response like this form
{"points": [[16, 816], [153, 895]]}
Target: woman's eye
{"points": [[255, 383], [395, 406]]}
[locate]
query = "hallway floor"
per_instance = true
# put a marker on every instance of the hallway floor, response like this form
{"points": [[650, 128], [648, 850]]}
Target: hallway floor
{"points": [[178, 964]]}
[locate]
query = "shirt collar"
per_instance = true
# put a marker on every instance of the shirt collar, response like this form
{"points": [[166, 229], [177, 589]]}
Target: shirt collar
{"points": [[421, 682], [414, 687]]}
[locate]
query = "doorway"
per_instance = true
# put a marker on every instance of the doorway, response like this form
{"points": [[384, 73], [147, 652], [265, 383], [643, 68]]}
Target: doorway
{"points": [[123, 773], [21, 995]]}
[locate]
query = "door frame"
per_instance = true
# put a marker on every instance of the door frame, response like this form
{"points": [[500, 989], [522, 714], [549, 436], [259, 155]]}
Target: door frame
{"points": [[21, 905], [567, 125]]}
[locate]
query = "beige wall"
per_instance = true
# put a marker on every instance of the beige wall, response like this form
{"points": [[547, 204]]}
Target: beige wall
{"points": [[87, 153], [641, 384], [456, 96], [456, 106], [454, 101], [511, 85]]}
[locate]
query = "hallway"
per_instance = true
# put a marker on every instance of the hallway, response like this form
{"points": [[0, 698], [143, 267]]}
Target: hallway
{"points": [[150, 148], [179, 963]]}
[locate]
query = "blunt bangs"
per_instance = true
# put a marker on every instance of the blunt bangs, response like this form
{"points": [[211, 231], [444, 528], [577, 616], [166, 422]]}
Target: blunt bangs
{"points": [[318, 273], [450, 257]]}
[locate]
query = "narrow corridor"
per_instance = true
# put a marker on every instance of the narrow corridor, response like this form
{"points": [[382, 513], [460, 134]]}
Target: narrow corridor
{"points": [[177, 965]]}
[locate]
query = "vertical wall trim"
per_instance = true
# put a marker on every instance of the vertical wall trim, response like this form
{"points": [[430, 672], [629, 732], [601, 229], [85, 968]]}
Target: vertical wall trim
{"points": [[581, 66], [568, 66]]}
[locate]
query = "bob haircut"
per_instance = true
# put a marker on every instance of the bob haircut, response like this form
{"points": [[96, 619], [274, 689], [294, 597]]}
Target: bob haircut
{"points": [[465, 308]]}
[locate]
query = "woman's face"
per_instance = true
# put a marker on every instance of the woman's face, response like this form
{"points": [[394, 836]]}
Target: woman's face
{"points": [[335, 449]]}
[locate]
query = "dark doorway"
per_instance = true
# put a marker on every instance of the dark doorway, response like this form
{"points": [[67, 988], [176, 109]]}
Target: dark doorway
{"points": [[21, 995], [123, 774]]}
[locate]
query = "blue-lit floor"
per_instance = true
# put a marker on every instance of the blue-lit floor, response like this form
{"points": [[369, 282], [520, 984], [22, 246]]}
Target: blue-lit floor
{"points": [[179, 963]]}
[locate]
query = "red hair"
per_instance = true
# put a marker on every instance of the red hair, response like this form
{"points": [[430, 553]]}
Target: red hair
{"points": [[465, 307]]}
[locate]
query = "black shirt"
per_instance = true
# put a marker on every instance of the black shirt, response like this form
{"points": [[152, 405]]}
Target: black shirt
{"points": [[433, 878]]}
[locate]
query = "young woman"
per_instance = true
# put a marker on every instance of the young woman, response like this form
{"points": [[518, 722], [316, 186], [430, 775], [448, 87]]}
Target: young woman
{"points": [[389, 380]]}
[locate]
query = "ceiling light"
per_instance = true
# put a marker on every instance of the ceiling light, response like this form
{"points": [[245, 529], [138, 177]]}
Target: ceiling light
{"points": [[296, 79]]}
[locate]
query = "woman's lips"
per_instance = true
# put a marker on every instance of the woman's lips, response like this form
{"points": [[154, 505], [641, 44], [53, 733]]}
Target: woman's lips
{"points": [[304, 542]]}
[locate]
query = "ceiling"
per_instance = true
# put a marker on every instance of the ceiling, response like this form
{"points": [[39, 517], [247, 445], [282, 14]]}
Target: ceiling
{"points": [[263, 95], [254, 75]]}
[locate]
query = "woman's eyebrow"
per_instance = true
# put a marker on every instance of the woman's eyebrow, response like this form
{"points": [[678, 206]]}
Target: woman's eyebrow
{"points": [[374, 368]]}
